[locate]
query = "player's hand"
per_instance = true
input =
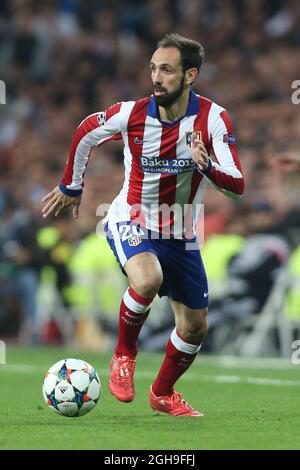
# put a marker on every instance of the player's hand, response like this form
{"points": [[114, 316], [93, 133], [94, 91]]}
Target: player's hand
{"points": [[55, 201], [199, 153]]}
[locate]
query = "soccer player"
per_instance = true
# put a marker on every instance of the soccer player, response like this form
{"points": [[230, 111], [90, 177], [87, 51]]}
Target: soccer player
{"points": [[175, 142]]}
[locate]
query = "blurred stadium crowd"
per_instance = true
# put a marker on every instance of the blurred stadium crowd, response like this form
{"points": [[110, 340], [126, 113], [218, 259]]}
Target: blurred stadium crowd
{"points": [[64, 59]]}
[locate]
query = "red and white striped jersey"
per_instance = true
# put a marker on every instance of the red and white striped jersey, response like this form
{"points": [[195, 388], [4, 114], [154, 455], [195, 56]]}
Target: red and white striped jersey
{"points": [[159, 169]]}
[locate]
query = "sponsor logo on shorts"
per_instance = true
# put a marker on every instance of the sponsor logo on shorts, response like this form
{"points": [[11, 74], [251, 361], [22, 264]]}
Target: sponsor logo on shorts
{"points": [[134, 241]]}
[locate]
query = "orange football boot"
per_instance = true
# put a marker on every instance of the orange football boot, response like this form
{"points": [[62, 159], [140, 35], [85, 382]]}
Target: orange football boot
{"points": [[121, 378], [173, 404]]}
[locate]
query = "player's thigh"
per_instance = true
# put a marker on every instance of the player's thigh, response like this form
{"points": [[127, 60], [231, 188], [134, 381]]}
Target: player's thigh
{"points": [[189, 321], [136, 256], [144, 273]]}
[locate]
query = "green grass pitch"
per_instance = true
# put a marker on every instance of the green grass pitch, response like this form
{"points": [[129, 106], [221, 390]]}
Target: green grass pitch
{"points": [[248, 404]]}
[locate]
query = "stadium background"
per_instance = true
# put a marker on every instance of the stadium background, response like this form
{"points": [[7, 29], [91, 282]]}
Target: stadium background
{"points": [[62, 60]]}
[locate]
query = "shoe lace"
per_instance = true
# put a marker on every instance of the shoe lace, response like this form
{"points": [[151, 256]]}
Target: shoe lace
{"points": [[178, 399], [126, 369]]}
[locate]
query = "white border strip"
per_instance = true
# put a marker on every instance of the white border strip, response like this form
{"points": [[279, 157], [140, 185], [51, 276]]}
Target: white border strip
{"points": [[182, 345], [118, 245], [133, 305]]}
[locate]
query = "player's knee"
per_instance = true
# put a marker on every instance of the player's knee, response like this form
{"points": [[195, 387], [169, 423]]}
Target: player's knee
{"points": [[148, 286], [196, 330], [204, 327], [203, 323]]}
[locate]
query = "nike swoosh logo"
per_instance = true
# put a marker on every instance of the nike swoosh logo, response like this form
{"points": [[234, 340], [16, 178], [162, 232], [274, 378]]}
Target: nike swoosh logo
{"points": [[138, 141], [205, 294]]}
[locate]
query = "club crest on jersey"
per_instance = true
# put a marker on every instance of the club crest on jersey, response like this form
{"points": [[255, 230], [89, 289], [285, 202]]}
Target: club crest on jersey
{"points": [[135, 241], [188, 137], [101, 118]]}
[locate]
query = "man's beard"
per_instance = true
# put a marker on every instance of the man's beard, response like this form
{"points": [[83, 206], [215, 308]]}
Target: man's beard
{"points": [[167, 100]]}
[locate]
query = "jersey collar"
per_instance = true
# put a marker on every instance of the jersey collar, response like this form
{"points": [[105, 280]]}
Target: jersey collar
{"points": [[192, 109]]}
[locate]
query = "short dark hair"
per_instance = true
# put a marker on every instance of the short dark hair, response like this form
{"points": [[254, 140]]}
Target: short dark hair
{"points": [[191, 52]]}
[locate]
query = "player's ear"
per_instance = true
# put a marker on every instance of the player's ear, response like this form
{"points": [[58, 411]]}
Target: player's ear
{"points": [[191, 75]]}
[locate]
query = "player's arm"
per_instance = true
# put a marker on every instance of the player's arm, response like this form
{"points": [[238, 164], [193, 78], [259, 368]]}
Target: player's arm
{"points": [[93, 131], [225, 174]]}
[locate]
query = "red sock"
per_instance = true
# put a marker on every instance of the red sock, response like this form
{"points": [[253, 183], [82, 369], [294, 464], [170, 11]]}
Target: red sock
{"points": [[175, 363], [133, 312]]}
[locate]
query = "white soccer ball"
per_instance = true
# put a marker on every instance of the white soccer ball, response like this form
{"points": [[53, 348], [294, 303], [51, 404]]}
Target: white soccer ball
{"points": [[71, 387]]}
